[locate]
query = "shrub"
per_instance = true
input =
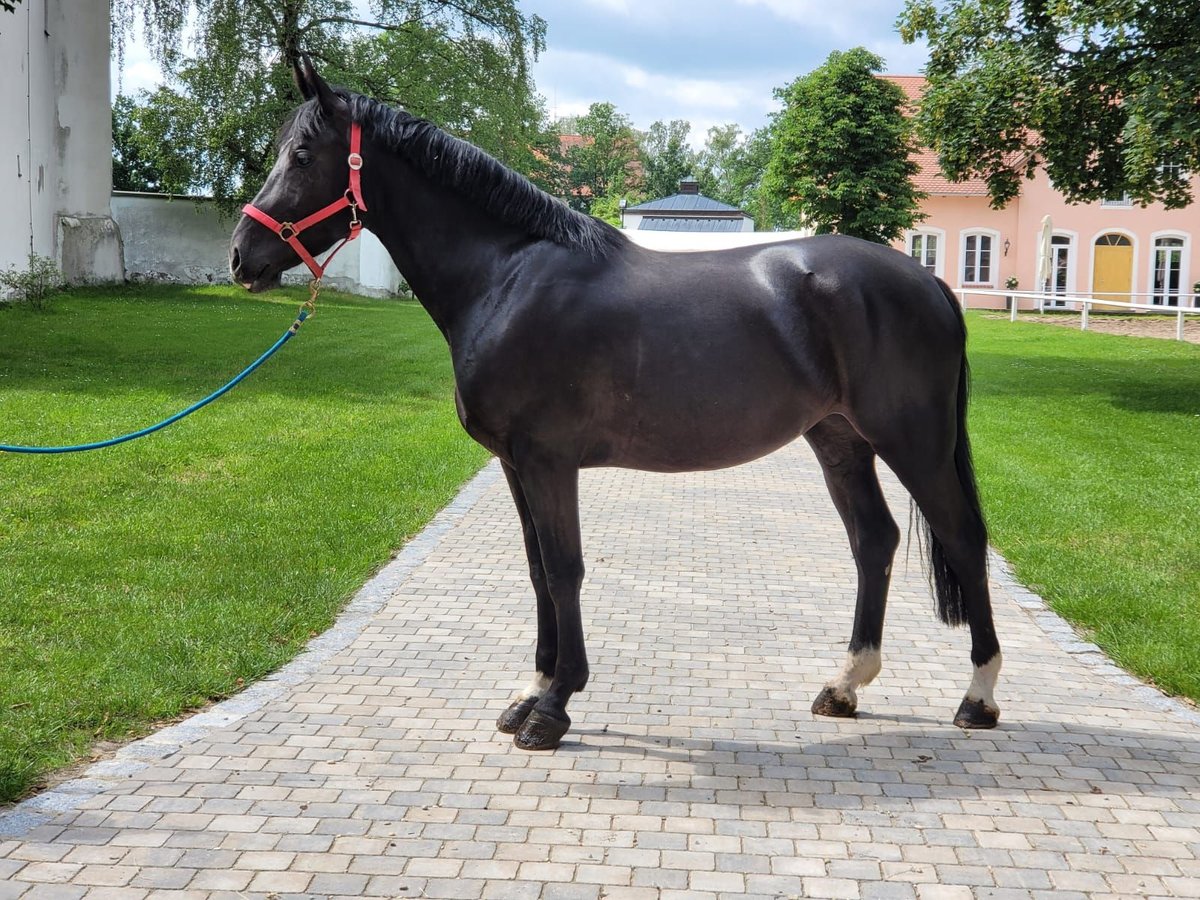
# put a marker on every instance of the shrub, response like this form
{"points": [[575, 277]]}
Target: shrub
{"points": [[34, 284]]}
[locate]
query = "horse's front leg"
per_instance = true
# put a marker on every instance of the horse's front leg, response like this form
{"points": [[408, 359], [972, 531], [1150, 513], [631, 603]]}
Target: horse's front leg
{"points": [[551, 500], [546, 656]]}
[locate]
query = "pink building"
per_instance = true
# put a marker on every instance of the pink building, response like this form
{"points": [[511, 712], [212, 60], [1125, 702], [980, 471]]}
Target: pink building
{"points": [[1108, 250]]}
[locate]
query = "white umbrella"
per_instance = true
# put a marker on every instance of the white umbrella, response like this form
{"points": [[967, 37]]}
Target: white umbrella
{"points": [[1045, 264]]}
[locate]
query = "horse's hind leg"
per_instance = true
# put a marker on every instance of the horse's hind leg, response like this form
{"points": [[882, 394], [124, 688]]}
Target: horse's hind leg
{"points": [[942, 483], [546, 656], [848, 463]]}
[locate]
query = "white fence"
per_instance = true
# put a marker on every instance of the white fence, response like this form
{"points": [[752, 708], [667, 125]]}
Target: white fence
{"points": [[1083, 304]]}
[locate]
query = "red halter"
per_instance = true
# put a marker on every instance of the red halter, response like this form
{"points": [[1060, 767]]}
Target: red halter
{"points": [[352, 198]]}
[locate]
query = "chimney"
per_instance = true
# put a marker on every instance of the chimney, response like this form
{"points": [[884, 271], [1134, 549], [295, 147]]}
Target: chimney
{"points": [[689, 185]]}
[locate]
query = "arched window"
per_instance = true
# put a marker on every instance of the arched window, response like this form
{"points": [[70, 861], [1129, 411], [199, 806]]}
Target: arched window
{"points": [[1113, 240], [978, 264], [1060, 269], [927, 246], [1166, 272]]}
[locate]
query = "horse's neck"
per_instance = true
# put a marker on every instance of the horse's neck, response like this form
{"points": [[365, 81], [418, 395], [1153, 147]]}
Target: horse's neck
{"points": [[448, 250]]}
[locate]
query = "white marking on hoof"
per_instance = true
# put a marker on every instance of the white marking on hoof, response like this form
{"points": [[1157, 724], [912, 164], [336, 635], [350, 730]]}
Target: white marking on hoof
{"points": [[860, 668], [984, 683], [538, 686]]}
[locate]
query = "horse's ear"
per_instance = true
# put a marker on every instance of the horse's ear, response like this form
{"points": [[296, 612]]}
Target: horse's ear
{"points": [[300, 77], [331, 104]]}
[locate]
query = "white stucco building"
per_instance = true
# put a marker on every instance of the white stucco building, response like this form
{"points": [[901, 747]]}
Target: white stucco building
{"points": [[56, 139]]}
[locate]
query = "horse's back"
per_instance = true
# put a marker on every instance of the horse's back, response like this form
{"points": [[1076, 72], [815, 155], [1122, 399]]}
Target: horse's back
{"points": [[681, 361]]}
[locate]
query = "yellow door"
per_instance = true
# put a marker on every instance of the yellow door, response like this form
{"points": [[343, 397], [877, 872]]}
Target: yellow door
{"points": [[1112, 272]]}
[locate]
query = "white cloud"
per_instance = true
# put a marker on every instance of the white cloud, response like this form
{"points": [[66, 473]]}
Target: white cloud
{"points": [[572, 81], [843, 20], [620, 7]]}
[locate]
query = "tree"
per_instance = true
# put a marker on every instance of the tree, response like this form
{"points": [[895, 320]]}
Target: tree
{"points": [[666, 157], [604, 163], [841, 149], [1103, 95], [136, 160], [730, 169], [467, 59], [9, 5]]}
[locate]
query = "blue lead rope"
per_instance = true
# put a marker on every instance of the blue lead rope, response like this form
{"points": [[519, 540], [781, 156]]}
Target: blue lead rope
{"points": [[287, 336]]}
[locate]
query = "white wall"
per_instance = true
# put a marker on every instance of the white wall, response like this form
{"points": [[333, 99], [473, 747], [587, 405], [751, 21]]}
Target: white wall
{"points": [[56, 139], [180, 239], [691, 241]]}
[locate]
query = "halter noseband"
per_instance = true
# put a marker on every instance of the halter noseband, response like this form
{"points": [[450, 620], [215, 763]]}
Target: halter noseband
{"points": [[352, 198]]}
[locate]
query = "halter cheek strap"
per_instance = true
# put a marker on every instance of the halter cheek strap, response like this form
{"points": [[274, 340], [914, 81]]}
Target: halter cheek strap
{"points": [[352, 198]]}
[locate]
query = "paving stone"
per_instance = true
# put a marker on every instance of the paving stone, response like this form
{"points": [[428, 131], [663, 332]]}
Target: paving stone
{"points": [[716, 605]]}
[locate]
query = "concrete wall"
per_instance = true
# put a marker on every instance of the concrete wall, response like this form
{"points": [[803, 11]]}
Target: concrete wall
{"points": [[180, 239], [56, 140]]}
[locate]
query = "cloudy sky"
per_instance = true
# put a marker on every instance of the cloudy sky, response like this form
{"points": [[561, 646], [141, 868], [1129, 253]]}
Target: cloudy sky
{"points": [[706, 61]]}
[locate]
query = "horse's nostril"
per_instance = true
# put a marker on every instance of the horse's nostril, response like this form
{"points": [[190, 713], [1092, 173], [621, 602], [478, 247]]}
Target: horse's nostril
{"points": [[235, 261]]}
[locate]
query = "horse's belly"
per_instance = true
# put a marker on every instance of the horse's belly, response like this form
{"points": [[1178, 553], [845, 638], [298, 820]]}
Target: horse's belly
{"points": [[707, 433]]}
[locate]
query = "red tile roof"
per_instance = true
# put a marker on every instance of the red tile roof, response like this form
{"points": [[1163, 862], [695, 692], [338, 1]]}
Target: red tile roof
{"points": [[929, 178]]}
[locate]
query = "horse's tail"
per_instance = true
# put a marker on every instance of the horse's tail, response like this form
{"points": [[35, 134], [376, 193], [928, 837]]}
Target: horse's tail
{"points": [[951, 607]]}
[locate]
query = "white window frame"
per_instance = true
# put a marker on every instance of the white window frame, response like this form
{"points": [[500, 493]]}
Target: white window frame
{"points": [[1123, 202], [994, 269], [1124, 232], [1185, 284], [939, 265], [1072, 246]]}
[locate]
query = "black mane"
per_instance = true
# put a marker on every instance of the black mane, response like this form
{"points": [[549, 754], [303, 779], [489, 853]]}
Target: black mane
{"points": [[471, 172]]}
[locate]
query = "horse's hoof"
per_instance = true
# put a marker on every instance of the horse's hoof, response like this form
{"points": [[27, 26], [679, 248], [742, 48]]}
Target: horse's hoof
{"points": [[974, 714], [514, 717], [541, 732], [828, 703]]}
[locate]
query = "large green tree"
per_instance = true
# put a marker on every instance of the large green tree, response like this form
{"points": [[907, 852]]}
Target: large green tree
{"points": [[463, 63], [1104, 93], [840, 157], [666, 157]]}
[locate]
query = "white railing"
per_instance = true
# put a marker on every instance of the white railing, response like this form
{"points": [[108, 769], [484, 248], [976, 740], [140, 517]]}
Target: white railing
{"points": [[1084, 304]]}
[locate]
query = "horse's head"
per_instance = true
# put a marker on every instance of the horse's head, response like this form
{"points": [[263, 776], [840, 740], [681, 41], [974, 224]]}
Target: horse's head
{"points": [[309, 174]]}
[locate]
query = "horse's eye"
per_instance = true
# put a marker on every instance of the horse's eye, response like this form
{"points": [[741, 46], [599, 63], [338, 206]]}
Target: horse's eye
{"points": [[303, 158]]}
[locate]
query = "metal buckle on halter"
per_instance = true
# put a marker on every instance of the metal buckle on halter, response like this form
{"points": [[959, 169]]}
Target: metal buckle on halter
{"points": [[290, 227], [355, 161]]}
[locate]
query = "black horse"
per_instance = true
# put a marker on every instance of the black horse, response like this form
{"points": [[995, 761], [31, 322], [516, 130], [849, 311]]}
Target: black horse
{"points": [[574, 347]]}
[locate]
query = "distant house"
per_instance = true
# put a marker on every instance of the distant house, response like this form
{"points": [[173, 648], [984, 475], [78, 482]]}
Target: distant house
{"points": [[1112, 249], [689, 210]]}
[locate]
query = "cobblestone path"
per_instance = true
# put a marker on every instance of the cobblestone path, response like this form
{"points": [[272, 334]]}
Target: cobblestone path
{"points": [[716, 606]]}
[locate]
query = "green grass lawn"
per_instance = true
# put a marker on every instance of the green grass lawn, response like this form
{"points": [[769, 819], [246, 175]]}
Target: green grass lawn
{"points": [[145, 579], [1088, 451]]}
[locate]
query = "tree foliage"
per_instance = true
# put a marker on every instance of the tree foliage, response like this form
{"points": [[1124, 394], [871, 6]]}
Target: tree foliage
{"points": [[464, 64], [1104, 95], [9, 5], [730, 169], [667, 158], [604, 162], [135, 162], [840, 156]]}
